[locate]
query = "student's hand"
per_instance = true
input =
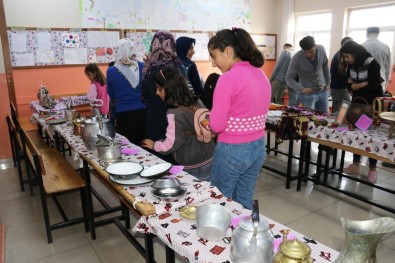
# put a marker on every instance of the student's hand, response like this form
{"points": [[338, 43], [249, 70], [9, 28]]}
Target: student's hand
{"points": [[147, 143], [307, 90], [349, 81]]}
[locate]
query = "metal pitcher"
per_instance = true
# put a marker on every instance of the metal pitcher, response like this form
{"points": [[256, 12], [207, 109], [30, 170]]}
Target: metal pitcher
{"points": [[42, 94], [95, 126], [252, 240]]}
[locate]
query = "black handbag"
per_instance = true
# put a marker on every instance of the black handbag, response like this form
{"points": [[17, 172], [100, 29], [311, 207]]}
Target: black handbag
{"points": [[357, 109]]}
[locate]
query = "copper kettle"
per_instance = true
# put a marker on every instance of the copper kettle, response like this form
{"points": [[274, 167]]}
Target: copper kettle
{"points": [[293, 251]]}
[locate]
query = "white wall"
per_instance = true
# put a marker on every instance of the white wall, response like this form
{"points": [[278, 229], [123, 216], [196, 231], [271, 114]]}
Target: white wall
{"points": [[339, 10]]}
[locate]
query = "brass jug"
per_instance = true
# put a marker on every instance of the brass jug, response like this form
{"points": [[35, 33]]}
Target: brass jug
{"points": [[293, 251]]}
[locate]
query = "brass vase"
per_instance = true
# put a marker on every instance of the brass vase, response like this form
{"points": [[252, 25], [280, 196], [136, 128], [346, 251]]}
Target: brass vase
{"points": [[362, 238]]}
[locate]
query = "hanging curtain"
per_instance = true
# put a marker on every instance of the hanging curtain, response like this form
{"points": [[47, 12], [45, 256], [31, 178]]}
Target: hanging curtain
{"points": [[288, 25]]}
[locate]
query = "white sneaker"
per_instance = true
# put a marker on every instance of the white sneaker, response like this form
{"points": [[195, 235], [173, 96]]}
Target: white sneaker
{"points": [[351, 169]]}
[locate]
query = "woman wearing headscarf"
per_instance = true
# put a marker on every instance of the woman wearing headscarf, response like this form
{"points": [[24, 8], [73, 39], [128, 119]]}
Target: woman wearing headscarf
{"points": [[124, 87], [185, 47], [162, 54]]}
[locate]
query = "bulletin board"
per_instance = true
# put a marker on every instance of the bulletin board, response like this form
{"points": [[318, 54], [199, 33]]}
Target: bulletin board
{"points": [[50, 47], [142, 41], [267, 44]]}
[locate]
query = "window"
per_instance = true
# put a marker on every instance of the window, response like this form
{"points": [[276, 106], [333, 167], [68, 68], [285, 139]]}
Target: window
{"points": [[361, 18], [308, 25]]}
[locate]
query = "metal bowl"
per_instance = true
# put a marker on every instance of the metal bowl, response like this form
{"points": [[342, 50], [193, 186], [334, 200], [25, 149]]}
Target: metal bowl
{"points": [[169, 194], [124, 170], [212, 221], [166, 182]]}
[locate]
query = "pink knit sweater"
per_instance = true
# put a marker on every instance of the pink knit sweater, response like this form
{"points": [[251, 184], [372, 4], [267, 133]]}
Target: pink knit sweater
{"points": [[240, 104]]}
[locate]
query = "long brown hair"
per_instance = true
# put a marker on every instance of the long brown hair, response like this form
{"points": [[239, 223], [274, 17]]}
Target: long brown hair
{"points": [[95, 70]]}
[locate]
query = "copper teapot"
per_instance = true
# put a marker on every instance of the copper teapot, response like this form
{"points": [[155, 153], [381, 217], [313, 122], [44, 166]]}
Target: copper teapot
{"points": [[293, 251]]}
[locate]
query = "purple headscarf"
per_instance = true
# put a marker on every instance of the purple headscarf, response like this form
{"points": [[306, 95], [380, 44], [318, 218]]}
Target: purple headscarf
{"points": [[162, 51]]}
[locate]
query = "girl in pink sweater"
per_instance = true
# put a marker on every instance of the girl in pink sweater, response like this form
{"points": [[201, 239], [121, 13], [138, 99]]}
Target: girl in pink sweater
{"points": [[98, 88], [240, 103]]}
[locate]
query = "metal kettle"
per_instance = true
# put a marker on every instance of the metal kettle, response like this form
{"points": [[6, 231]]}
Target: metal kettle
{"points": [[293, 251], [252, 240], [42, 95]]}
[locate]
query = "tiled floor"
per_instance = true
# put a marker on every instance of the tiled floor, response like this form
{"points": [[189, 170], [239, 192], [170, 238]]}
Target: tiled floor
{"points": [[314, 211]]}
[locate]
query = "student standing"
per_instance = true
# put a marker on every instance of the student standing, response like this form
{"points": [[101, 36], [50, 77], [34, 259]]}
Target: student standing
{"points": [[181, 140], [277, 80], [380, 52], [124, 87], [339, 90], [363, 78], [162, 54], [185, 47], [310, 64], [98, 88], [241, 102]]}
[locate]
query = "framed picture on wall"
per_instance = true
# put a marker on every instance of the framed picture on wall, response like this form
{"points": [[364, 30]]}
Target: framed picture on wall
{"points": [[267, 44], [342, 113]]}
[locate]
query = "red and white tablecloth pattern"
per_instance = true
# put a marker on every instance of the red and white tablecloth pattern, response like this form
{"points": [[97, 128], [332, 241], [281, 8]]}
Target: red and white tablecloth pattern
{"points": [[374, 140], [60, 103], [179, 234]]}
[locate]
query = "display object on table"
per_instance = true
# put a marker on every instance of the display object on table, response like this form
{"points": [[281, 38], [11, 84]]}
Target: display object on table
{"points": [[252, 240], [362, 238], [291, 251], [356, 110], [212, 221], [42, 94], [94, 126], [343, 111], [293, 124], [109, 151]]}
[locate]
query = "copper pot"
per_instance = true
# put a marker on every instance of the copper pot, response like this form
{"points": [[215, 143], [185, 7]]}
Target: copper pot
{"points": [[78, 125]]}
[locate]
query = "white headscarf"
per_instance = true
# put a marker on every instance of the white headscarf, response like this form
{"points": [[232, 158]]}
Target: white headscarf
{"points": [[124, 62]]}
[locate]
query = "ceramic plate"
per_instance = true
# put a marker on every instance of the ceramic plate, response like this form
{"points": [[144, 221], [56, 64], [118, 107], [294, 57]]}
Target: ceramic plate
{"points": [[136, 181], [124, 168], [156, 170]]}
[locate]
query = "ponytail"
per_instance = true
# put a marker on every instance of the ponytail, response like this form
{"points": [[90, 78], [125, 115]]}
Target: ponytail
{"points": [[241, 42]]}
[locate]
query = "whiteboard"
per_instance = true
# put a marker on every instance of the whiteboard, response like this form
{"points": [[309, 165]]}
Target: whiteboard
{"points": [[197, 15]]}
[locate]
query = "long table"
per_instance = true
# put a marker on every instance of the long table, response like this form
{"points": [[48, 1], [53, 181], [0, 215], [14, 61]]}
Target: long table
{"points": [[162, 218], [373, 143]]}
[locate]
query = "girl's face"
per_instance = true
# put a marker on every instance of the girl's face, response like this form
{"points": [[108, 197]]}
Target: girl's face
{"points": [[349, 58], [223, 60], [160, 91], [91, 76]]}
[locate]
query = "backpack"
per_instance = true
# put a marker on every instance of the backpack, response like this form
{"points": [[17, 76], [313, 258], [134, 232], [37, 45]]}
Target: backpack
{"points": [[201, 122]]}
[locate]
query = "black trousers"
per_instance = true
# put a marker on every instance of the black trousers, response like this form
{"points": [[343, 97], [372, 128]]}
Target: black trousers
{"points": [[131, 124]]}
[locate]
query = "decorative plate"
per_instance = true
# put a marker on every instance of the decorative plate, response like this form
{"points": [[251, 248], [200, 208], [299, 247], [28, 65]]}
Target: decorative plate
{"points": [[156, 171]]}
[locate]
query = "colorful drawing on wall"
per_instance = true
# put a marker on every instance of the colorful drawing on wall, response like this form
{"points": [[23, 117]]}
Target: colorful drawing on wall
{"points": [[100, 51], [70, 39], [174, 14]]}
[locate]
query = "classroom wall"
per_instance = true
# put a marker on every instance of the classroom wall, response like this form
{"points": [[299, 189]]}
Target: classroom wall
{"points": [[265, 18], [339, 10]]}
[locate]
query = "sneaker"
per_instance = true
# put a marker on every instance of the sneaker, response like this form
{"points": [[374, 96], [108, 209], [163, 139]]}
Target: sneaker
{"points": [[351, 169], [372, 176]]}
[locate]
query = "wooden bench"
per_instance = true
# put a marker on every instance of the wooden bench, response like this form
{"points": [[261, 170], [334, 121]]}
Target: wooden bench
{"points": [[17, 151], [54, 176]]}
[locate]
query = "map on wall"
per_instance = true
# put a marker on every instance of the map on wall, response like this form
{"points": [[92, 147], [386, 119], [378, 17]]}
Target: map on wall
{"points": [[201, 15]]}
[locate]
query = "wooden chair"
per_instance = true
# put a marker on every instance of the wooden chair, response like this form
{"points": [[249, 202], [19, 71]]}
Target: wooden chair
{"points": [[55, 176], [17, 153], [381, 104]]}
